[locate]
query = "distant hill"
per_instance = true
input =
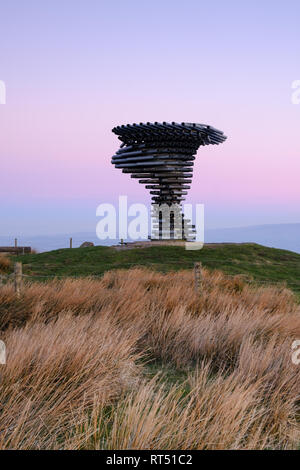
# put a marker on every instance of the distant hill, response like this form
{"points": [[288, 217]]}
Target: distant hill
{"points": [[54, 242], [284, 236]]}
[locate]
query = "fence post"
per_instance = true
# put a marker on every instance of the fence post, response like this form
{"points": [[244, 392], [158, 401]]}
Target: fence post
{"points": [[18, 278], [71, 242], [16, 242], [198, 276]]}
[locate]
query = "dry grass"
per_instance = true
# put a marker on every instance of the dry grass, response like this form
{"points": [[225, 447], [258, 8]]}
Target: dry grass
{"points": [[4, 263], [76, 373]]}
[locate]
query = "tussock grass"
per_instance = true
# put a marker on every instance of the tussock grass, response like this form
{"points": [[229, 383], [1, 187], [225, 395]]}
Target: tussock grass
{"points": [[5, 263], [77, 353]]}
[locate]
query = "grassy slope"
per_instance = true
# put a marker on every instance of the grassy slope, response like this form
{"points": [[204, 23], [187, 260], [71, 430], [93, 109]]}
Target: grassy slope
{"points": [[262, 263]]}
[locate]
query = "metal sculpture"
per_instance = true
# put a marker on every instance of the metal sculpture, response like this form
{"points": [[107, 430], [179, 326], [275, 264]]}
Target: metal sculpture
{"points": [[161, 155]]}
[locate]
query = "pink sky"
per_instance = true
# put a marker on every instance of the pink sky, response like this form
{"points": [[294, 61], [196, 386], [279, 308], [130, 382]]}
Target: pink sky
{"points": [[74, 71]]}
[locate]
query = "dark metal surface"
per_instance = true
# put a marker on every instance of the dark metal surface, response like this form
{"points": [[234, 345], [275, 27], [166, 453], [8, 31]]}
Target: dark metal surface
{"points": [[161, 155]]}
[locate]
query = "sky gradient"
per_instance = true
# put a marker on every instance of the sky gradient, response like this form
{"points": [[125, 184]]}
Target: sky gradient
{"points": [[75, 69]]}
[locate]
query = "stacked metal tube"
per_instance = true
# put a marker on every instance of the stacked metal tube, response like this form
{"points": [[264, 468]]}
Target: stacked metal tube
{"points": [[161, 155]]}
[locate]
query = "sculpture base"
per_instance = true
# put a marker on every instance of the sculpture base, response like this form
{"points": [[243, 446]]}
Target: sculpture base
{"points": [[149, 243]]}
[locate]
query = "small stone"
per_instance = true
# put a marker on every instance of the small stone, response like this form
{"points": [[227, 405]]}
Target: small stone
{"points": [[86, 244]]}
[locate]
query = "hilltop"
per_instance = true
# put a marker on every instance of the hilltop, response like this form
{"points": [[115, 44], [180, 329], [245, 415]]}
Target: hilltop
{"points": [[137, 358], [258, 262]]}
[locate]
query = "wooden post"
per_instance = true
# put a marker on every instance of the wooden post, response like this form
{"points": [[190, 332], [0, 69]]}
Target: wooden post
{"points": [[18, 277], [71, 242], [16, 242], [198, 276]]}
